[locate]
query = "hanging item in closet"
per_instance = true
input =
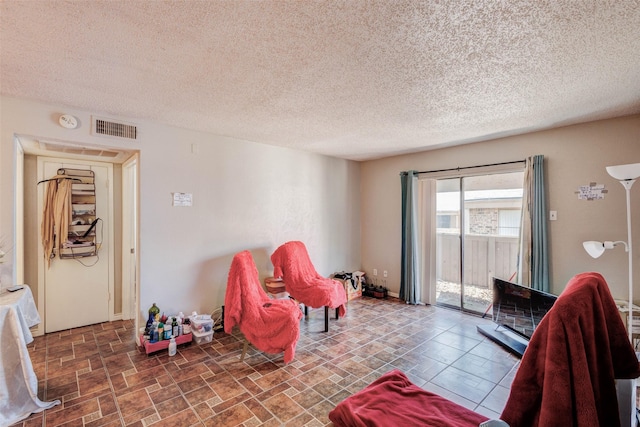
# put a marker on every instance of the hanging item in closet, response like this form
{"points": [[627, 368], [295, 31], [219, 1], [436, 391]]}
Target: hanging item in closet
{"points": [[69, 219], [56, 215]]}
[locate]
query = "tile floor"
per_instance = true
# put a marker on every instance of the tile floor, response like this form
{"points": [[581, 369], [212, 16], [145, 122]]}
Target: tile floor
{"points": [[104, 379]]}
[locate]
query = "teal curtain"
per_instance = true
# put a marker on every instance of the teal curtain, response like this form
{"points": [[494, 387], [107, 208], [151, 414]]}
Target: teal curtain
{"points": [[539, 252], [409, 286], [533, 257]]}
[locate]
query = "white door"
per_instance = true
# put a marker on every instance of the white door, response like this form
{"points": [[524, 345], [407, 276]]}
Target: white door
{"points": [[77, 290]]}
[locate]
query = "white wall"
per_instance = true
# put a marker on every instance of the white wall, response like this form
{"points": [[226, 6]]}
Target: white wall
{"points": [[574, 156], [245, 196]]}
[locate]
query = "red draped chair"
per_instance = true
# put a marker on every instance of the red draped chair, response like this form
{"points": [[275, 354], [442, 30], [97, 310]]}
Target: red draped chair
{"points": [[271, 325], [291, 262]]}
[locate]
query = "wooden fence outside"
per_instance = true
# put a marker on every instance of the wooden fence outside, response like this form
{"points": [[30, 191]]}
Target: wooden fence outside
{"points": [[485, 256]]}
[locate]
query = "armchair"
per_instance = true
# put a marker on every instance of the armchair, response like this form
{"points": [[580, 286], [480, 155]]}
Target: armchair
{"points": [[291, 262], [272, 326]]}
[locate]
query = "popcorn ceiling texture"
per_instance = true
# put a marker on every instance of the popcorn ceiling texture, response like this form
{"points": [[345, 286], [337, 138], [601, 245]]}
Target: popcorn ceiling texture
{"points": [[352, 79]]}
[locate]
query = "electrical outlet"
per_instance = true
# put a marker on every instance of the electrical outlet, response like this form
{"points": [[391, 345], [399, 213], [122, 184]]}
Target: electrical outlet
{"points": [[375, 271], [553, 215], [384, 273]]}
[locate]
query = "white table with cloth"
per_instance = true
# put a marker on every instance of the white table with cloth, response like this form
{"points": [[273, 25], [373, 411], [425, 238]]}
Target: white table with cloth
{"points": [[18, 381]]}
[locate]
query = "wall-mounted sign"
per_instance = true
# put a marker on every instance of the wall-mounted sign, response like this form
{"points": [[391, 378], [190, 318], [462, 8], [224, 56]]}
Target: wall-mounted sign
{"points": [[182, 199], [592, 191]]}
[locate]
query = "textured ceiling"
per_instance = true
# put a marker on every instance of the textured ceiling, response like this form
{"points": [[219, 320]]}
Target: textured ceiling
{"points": [[352, 79]]}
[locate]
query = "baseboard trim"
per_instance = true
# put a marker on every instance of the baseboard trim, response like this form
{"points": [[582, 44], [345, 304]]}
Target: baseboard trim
{"points": [[37, 330]]}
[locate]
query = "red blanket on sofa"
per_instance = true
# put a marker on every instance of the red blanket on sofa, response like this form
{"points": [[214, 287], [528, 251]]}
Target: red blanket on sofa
{"points": [[394, 401], [291, 262], [566, 377]]}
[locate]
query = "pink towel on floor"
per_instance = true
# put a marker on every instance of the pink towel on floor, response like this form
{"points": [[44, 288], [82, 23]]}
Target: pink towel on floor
{"points": [[291, 262], [270, 325], [566, 377], [393, 400]]}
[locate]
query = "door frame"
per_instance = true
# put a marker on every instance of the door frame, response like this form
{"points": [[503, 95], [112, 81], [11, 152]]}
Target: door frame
{"points": [[18, 220], [130, 238], [111, 234]]}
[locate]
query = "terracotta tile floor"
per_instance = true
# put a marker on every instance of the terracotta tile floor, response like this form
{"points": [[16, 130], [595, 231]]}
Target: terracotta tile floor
{"points": [[104, 379]]}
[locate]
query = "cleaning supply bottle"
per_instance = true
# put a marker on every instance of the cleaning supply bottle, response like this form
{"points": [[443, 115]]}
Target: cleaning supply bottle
{"points": [[147, 328], [172, 347], [174, 327], [153, 333]]}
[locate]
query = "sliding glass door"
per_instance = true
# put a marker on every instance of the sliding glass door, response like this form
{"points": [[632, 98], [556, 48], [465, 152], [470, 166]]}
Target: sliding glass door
{"points": [[448, 242], [477, 229]]}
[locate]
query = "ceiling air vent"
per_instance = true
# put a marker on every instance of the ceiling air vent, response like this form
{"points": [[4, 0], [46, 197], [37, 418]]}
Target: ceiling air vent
{"points": [[108, 127], [76, 149]]}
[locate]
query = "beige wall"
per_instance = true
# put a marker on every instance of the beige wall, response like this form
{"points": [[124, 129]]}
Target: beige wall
{"points": [[574, 156], [245, 196]]}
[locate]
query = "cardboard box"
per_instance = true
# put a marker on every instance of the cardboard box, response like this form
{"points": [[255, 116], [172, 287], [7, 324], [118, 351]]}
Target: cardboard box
{"points": [[351, 291]]}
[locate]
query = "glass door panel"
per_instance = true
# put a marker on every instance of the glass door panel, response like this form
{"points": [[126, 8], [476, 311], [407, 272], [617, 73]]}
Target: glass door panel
{"points": [[448, 262], [478, 223]]}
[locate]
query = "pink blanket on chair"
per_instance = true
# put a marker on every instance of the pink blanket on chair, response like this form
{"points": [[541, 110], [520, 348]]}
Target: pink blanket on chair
{"points": [[291, 262], [270, 325]]}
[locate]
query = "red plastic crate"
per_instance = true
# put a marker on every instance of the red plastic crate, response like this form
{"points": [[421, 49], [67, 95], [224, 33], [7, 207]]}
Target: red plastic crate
{"points": [[152, 347]]}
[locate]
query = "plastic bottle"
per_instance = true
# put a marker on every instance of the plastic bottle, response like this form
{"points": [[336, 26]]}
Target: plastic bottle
{"points": [[147, 328], [153, 333], [172, 347], [174, 327]]}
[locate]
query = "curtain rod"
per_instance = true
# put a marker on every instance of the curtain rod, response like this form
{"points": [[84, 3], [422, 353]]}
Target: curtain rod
{"points": [[473, 167]]}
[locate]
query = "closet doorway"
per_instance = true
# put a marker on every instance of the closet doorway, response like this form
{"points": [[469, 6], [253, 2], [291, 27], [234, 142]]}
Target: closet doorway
{"points": [[77, 291], [120, 235]]}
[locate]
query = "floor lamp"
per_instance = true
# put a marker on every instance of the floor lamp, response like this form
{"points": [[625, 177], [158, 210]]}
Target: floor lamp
{"points": [[627, 175]]}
